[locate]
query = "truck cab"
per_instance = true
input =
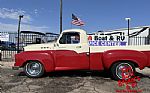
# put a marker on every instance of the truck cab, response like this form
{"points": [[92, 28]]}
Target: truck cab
{"points": [[71, 48]]}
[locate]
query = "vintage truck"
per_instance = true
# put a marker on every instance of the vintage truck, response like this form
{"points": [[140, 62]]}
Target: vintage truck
{"points": [[72, 52]]}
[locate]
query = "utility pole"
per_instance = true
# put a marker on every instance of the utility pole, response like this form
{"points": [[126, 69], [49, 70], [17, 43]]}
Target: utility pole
{"points": [[21, 16], [61, 10], [128, 20]]}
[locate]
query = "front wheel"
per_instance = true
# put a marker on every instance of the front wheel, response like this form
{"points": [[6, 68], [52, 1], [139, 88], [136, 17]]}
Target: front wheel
{"points": [[34, 69], [122, 70]]}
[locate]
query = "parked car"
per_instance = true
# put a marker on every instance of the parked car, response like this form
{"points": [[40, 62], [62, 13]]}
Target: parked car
{"points": [[7, 45], [21, 45]]}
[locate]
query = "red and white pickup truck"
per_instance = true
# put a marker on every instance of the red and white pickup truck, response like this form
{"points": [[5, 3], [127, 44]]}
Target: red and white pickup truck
{"points": [[72, 52]]}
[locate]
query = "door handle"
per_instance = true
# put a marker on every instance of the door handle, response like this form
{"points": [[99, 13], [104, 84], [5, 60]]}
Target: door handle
{"points": [[87, 53], [62, 47]]}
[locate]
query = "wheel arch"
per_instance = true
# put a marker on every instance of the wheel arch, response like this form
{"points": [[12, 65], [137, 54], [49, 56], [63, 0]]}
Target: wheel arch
{"points": [[127, 61], [44, 64], [27, 61], [139, 59]]}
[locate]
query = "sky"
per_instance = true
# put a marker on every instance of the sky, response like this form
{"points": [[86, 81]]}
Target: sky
{"points": [[98, 15]]}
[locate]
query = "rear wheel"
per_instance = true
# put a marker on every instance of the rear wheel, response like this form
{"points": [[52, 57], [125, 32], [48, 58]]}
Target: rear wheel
{"points": [[122, 70], [34, 69]]}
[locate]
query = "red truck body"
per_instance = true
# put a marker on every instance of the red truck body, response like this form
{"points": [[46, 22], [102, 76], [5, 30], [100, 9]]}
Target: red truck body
{"points": [[56, 60]]}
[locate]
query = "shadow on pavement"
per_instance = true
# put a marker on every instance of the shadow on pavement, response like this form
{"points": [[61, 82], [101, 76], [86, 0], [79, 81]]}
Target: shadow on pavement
{"points": [[74, 74], [78, 74], [102, 74], [142, 75]]}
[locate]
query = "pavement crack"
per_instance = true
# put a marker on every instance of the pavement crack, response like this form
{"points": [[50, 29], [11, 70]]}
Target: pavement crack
{"points": [[25, 80], [81, 85], [95, 90]]}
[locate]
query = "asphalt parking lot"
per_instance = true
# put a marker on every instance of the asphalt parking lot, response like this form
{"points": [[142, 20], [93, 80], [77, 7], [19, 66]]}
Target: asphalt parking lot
{"points": [[65, 82]]}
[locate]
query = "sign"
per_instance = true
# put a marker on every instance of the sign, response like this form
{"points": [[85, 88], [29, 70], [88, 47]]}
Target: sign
{"points": [[128, 84], [4, 37], [108, 40]]}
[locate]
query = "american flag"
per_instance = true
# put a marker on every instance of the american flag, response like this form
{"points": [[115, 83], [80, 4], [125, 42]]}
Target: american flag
{"points": [[76, 21]]}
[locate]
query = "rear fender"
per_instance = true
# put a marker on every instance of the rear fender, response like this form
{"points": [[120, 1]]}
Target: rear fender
{"points": [[111, 56]]}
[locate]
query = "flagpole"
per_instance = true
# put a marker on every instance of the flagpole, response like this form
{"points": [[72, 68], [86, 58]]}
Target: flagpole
{"points": [[71, 25], [71, 22], [61, 5]]}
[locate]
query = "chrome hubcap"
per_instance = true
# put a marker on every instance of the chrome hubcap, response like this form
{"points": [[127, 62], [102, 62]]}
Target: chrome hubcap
{"points": [[33, 68], [124, 71]]}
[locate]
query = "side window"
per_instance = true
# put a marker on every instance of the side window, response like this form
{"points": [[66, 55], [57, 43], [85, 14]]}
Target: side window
{"points": [[70, 38]]}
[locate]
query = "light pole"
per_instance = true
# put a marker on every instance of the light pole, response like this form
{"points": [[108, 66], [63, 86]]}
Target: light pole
{"points": [[20, 16], [61, 10], [128, 20]]}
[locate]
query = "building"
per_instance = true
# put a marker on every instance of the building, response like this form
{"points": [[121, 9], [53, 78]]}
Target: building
{"points": [[137, 35]]}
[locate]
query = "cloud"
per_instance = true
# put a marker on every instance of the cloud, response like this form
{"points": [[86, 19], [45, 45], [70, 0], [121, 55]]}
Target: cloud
{"points": [[34, 28], [6, 13], [35, 11], [24, 27]]}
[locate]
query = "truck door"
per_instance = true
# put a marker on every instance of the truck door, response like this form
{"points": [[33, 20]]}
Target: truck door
{"points": [[71, 53]]}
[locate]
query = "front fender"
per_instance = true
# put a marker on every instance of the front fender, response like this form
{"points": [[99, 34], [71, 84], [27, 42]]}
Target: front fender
{"points": [[111, 56], [45, 57]]}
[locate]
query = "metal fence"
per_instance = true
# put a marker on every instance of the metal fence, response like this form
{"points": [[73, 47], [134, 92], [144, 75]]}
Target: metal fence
{"points": [[139, 41], [9, 48]]}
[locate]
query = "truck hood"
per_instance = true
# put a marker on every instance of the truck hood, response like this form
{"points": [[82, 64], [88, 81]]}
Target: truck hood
{"points": [[36, 47]]}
